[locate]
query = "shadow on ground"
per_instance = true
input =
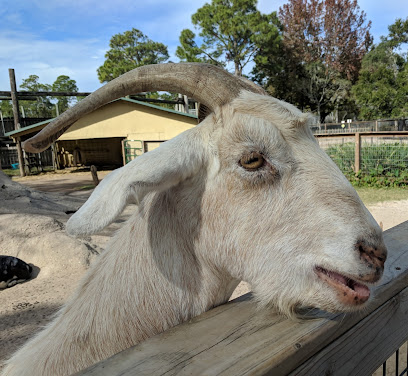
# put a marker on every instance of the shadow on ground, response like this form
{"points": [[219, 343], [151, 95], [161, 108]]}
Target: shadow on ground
{"points": [[21, 324]]}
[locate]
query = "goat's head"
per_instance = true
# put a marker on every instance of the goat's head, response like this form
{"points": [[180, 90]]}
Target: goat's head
{"points": [[274, 211]]}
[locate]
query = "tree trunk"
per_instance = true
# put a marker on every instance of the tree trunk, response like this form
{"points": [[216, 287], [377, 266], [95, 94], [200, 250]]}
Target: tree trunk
{"points": [[238, 69]]}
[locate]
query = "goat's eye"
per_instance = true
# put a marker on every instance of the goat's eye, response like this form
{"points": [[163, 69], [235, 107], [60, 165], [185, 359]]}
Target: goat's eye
{"points": [[252, 161]]}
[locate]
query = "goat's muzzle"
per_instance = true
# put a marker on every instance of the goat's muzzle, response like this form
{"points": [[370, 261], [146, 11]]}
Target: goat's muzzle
{"points": [[351, 289], [373, 258]]}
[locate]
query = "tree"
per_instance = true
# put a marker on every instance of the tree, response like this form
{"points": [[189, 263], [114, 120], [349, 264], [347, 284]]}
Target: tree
{"points": [[65, 84], [130, 50], [320, 55], [6, 108], [231, 29], [190, 52], [41, 106], [382, 89]]}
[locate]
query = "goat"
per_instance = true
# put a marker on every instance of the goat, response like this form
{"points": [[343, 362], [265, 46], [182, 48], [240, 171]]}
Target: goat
{"points": [[245, 195]]}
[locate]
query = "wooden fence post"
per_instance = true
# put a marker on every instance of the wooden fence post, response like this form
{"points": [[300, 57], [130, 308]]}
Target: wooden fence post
{"points": [[185, 98], [123, 151], [357, 152], [16, 115], [94, 173]]}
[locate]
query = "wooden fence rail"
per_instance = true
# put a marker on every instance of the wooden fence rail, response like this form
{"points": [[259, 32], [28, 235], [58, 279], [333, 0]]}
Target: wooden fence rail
{"points": [[239, 339]]}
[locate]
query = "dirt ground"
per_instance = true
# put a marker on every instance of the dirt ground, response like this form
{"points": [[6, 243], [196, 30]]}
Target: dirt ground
{"points": [[27, 307]]}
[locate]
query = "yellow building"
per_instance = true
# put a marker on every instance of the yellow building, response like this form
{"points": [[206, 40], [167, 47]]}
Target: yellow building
{"points": [[115, 133]]}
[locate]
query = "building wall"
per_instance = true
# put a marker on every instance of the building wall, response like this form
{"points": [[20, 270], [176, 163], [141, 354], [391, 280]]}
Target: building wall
{"points": [[131, 121]]}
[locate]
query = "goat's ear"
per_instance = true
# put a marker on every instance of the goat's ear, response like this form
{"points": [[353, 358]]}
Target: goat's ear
{"points": [[157, 170]]}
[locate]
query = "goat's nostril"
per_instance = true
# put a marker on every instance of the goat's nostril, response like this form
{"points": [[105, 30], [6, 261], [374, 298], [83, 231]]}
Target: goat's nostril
{"points": [[372, 255]]}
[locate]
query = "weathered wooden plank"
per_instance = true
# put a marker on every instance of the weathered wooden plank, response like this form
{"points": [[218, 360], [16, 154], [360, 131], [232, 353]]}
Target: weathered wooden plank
{"points": [[237, 339], [16, 116], [364, 347]]}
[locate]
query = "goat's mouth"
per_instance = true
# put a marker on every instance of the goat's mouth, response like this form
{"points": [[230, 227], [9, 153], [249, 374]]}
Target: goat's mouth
{"points": [[350, 292]]}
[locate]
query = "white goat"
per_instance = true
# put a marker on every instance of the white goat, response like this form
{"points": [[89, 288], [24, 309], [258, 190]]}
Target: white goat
{"points": [[245, 195]]}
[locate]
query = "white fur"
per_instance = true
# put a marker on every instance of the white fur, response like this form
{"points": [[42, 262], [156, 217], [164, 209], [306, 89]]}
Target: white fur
{"points": [[204, 223]]}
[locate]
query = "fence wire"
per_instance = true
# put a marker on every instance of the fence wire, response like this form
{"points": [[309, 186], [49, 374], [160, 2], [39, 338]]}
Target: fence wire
{"points": [[361, 126], [382, 156], [379, 156]]}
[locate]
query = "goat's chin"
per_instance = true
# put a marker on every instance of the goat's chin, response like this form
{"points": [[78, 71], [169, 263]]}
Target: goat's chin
{"points": [[321, 300], [322, 307]]}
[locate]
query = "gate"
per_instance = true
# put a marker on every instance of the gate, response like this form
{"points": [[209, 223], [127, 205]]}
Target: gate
{"points": [[132, 149]]}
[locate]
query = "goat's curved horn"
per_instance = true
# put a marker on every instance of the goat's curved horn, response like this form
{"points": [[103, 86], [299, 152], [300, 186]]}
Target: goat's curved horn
{"points": [[208, 84]]}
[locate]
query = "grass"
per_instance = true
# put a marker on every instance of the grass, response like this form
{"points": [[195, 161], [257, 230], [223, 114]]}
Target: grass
{"points": [[371, 195], [9, 172]]}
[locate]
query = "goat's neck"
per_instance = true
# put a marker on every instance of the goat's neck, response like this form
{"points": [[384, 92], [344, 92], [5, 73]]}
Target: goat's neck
{"points": [[157, 270], [152, 276]]}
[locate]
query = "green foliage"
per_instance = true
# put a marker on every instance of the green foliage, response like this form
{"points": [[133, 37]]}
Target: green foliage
{"points": [[130, 50], [42, 106], [382, 89], [190, 52], [165, 96], [6, 108], [232, 29], [65, 84], [383, 165], [398, 33], [323, 43]]}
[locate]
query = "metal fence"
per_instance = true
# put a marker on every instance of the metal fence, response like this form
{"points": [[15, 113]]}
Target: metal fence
{"points": [[361, 126], [33, 162], [396, 365], [377, 155], [8, 156]]}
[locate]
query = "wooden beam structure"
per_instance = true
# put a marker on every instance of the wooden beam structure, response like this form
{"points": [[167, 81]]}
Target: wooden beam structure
{"points": [[28, 94], [239, 339], [32, 95], [16, 115]]}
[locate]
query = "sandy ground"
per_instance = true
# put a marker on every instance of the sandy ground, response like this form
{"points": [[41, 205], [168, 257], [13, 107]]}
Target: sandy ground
{"points": [[27, 307]]}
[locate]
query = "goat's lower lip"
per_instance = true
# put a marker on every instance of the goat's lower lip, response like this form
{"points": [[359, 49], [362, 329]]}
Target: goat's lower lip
{"points": [[350, 291]]}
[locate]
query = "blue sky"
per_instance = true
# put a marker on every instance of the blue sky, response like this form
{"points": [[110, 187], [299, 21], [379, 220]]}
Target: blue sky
{"points": [[53, 37]]}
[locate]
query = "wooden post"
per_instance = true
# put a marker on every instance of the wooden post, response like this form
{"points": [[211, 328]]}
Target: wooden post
{"points": [[376, 125], [179, 107], [185, 103], [357, 153], [2, 123], [16, 115], [94, 173], [20, 156], [123, 151]]}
